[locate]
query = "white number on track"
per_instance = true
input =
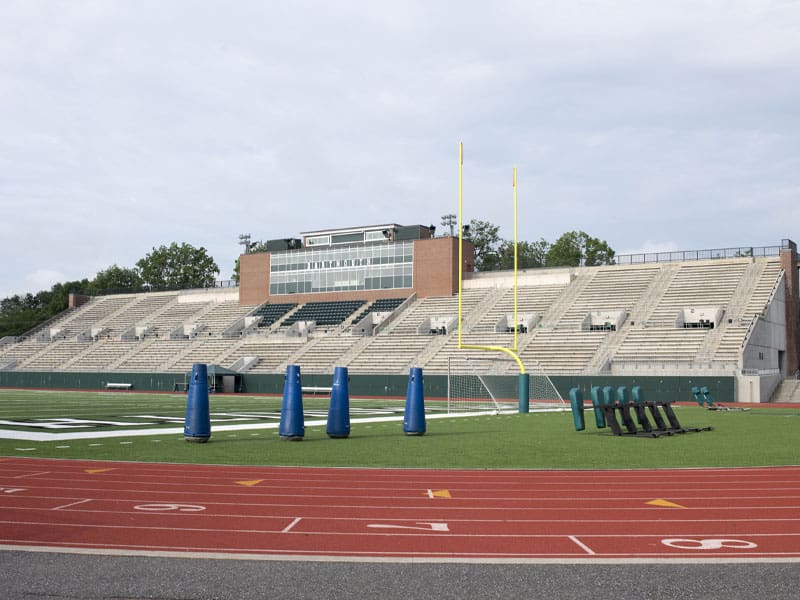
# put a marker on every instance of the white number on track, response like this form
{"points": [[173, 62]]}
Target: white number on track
{"points": [[708, 544], [169, 507], [430, 526]]}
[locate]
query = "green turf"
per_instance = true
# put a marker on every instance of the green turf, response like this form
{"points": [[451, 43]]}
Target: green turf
{"points": [[761, 436]]}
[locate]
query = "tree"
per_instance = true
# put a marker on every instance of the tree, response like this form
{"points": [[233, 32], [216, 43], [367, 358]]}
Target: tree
{"points": [[530, 255], [576, 248], [57, 299], [598, 252], [484, 237], [177, 267], [19, 314], [118, 279]]}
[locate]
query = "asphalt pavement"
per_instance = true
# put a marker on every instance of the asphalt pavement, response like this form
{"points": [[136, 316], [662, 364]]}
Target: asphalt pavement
{"points": [[45, 575]]}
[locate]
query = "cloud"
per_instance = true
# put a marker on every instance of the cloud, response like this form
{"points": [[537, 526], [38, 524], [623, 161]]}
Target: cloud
{"points": [[36, 281], [631, 121]]}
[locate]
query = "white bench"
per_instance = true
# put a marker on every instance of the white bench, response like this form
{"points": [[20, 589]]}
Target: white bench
{"points": [[315, 389], [119, 386]]}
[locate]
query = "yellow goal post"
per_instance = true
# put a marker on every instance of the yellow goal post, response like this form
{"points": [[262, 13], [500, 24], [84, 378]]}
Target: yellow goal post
{"points": [[524, 379]]}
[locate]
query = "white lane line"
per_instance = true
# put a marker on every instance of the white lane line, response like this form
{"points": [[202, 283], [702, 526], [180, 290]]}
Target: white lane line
{"points": [[71, 504], [289, 527], [32, 474], [581, 545]]}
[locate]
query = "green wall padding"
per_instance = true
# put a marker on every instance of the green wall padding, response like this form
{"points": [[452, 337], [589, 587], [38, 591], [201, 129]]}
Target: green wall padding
{"points": [[657, 388]]}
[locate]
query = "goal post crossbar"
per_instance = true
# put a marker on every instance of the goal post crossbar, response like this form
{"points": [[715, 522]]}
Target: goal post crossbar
{"points": [[508, 351]]}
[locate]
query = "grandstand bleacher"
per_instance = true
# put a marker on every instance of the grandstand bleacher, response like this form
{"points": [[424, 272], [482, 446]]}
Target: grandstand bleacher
{"points": [[169, 331]]}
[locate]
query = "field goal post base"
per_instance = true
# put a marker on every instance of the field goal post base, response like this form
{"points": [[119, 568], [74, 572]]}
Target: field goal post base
{"points": [[524, 393]]}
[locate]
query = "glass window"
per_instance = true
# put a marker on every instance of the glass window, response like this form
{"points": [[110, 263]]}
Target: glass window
{"points": [[312, 270], [318, 240], [345, 238]]}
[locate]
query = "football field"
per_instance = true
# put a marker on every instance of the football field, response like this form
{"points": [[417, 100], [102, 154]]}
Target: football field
{"points": [[148, 427]]}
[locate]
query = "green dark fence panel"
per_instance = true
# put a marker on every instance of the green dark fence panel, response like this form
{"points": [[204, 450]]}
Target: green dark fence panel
{"points": [[672, 388], [359, 385], [161, 382]]}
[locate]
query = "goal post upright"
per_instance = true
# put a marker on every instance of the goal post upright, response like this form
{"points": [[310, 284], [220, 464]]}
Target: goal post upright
{"points": [[524, 378]]}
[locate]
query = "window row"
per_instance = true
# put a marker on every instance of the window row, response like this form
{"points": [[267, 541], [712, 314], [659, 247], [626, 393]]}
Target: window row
{"points": [[333, 258], [380, 278]]}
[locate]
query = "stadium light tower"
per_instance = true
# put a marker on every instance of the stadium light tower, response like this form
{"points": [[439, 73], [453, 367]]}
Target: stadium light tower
{"points": [[449, 221], [244, 240]]}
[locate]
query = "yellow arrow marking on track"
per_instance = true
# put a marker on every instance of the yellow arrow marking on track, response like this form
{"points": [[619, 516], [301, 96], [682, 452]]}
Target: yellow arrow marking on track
{"points": [[250, 483], [439, 494], [664, 503], [94, 471]]}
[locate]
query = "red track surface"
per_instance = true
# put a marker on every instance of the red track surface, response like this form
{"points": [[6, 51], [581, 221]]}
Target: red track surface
{"points": [[746, 513]]}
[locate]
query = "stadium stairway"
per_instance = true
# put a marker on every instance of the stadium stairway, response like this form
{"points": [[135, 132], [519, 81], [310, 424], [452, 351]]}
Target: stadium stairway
{"points": [[485, 308], [758, 283], [389, 354], [788, 391], [637, 314], [564, 301], [706, 283], [322, 354], [272, 351]]}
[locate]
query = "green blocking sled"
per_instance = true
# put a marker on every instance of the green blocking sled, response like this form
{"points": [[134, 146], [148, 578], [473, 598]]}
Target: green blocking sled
{"points": [[652, 419]]}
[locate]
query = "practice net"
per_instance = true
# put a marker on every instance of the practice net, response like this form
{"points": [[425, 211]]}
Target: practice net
{"points": [[491, 384]]}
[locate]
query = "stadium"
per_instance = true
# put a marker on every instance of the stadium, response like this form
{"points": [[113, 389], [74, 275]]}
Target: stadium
{"points": [[96, 476], [381, 299], [591, 422]]}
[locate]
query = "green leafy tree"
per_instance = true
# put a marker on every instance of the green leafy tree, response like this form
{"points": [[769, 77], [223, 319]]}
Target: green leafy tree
{"points": [[530, 255], [177, 267], [57, 299], [118, 279], [576, 248], [484, 236], [19, 314]]}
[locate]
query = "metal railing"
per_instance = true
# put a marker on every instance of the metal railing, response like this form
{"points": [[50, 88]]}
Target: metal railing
{"points": [[220, 283], [760, 372], [710, 254]]}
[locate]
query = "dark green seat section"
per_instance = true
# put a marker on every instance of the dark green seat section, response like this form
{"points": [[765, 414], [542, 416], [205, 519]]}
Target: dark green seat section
{"points": [[325, 313], [386, 304], [383, 305], [270, 313]]}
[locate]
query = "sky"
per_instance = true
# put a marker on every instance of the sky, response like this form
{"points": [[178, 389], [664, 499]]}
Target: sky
{"points": [[126, 125]]}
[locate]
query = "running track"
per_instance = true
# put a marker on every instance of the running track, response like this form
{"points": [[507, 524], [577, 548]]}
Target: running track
{"points": [[422, 515]]}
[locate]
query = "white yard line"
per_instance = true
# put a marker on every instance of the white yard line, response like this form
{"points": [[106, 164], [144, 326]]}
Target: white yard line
{"points": [[40, 436]]}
